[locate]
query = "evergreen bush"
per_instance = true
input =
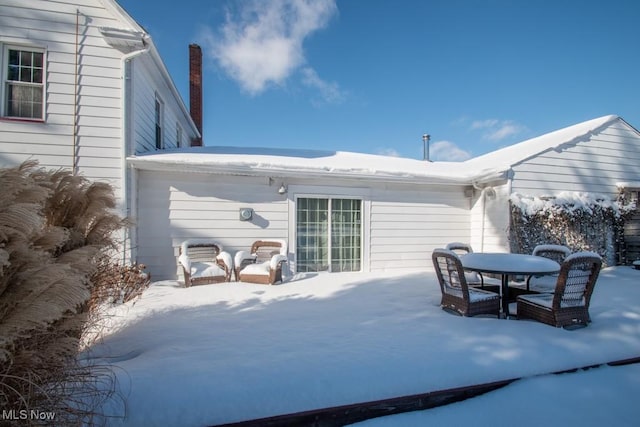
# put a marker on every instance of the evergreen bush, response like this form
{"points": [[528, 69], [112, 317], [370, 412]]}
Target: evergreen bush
{"points": [[580, 221]]}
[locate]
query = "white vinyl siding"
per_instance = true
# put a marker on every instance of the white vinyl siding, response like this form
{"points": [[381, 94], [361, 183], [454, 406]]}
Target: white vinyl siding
{"points": [[400, 225], [70, 32], [407, 225], [174, 207], [591, 166], [35, 24], [147, 90]]}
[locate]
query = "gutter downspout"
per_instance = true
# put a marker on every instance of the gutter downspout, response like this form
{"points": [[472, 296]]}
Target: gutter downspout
{"points": [[75, 98], [129, 183], [510, 174], [483, 199]]}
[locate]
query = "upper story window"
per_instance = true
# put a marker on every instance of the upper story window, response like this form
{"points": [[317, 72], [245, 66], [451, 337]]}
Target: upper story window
{"points": [[23, 86], [178, 135], [159, 119]]}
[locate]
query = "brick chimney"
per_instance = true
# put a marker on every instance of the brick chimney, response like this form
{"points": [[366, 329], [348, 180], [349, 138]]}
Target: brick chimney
{"points": [[195, 89]]}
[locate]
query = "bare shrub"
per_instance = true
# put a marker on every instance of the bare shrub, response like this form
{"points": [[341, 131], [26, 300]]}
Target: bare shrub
{"points": [[112, 284], [116, 284]]}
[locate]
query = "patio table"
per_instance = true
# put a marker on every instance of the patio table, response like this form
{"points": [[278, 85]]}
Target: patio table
{"points": [[507, 264]]}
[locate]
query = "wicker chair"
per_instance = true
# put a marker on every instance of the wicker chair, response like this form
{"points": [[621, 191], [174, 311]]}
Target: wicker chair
{"points": [[547, 284], [569, 304], [457, 296], [204, 262], [263, 264], [474, 278]]}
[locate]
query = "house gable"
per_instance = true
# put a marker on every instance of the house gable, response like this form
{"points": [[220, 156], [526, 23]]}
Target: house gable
{"points": [[592, 163], [557, 140]]}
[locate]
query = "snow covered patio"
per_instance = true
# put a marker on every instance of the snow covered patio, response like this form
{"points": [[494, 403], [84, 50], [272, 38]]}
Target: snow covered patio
{"points": [[226, 353]]}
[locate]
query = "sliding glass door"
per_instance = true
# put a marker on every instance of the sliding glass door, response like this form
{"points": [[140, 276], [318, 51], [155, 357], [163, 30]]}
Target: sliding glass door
{"points": [[312, 226], [328, 234], [345, 235]]}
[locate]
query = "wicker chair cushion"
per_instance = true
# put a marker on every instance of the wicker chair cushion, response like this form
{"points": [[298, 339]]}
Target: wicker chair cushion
{"points": [[261, 269], [543, 284], [475, 295], [452, 286], [206, 269], [546, 300], [472, 277], [480, 295]]}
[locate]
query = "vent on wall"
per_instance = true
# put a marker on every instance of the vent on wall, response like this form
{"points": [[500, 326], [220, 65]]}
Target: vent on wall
{"points": [[246, 214]]}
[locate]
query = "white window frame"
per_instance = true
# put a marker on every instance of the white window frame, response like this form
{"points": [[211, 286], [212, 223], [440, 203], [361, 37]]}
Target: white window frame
{"points": [[330, 192], [330, 230], [4, 88]]}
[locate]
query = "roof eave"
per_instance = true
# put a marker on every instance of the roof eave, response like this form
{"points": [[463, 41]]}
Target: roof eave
{"points": [[219, 169]]}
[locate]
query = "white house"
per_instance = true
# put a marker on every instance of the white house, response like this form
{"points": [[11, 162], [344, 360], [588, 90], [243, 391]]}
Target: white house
{"points": [[346, 211], [599, 156], [83, 87]]}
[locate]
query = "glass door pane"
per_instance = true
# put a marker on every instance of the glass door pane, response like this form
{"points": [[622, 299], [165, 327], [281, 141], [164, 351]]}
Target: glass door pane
{"points": [[328, 234], [345, 235], [312, 242]]}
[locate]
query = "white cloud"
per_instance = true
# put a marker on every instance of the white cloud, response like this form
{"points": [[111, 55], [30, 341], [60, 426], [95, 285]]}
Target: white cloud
{"points": [[261, 44], [448, 152], [497, 130], [484, 124], [504, 130], [330, 92]]}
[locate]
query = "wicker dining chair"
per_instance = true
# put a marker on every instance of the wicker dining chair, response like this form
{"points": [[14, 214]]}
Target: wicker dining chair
{"points": [[547, 283], [457, 295], [568, 305], [204, 262], [263, 264], [474, 278]]}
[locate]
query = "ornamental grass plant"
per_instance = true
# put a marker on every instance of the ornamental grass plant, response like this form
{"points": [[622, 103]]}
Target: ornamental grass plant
{"points": [[57, 232]]}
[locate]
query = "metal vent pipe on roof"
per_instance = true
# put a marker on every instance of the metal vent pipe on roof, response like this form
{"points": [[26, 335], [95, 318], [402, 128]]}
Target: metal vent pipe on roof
{"points": [[425, 146]]}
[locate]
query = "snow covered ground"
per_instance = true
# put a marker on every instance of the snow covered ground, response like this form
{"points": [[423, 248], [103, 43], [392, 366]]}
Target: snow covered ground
{"points": [[222, 353], [596, 397]]}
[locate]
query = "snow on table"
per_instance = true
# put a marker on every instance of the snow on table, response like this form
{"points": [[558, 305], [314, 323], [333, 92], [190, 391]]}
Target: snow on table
{"points": [[506, 263]]}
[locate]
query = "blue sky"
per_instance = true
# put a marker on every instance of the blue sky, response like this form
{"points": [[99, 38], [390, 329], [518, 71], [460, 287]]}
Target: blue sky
{"points": [[373, 76]]}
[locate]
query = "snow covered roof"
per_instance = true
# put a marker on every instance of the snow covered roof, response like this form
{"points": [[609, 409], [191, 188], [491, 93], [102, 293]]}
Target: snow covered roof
{"points": [[340, 164], [310, 163], [506, 157]]}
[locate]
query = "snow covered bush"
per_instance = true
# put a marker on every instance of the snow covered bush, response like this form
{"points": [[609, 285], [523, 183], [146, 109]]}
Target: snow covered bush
{"points": [[53, 227], [581, 221]]}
